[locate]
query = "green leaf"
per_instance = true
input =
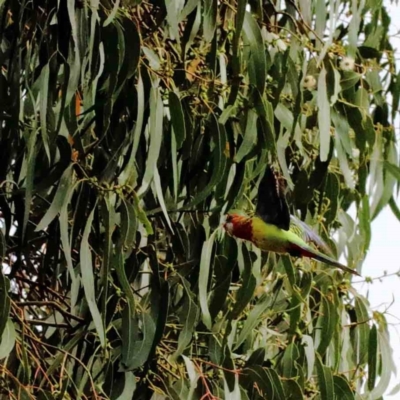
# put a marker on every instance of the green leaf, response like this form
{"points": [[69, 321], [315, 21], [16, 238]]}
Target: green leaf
{"points": [[193, 375], [344, 165], [129, 387], [64, 227], [177, 119], [249, 138], [289, 270], [219, 161], [246, 291], [192, 28], [215, 350], [142, 215], [309, 351], [30, 173], [263, 380], [320, 21], [289, 359], [60, 357], [128, 227], [325, 380], [395, 90], [210, 11], [240, 15], [174, 9], [156, 134], [175, 172], [365, 223], [253, 41], [188, 8], [123, 280], [362, 328], [395, 209], [88, 279], [362, 100], [153, 58], [58, 201], [372, 357], [256, 358], [349, 79], [369, 52], [278, 388], [44, 96], [8, 338], [230, 378], [45, 395], [292, 390], [205, 266], [266, 118], [324, 116], [75, 60], [342, 388], [109, 217], [4, 301], [160, 197], [327, 321], [394, 170], [142, 347], [387, 366], [127, 176], [190, 313], [129, 335], [332, 190], [3, 246], [112, 14], [253, 319]]}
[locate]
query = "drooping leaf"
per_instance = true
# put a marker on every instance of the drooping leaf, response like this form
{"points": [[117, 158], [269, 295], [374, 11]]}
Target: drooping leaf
{"points": [[209, 19], [372, 357], [325, 380], [219, 161], [205, 266], [249, 136], [129, 387], [156, 130], [4, 301], [254, 42], [190, 313], [342, 388], [58, 200], [88, 279], [324, 116], [8, 338], [362, 328], [177, 119]]}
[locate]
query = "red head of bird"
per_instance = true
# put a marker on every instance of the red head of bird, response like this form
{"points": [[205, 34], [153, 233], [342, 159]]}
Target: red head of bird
{"points": [[239, 225]]}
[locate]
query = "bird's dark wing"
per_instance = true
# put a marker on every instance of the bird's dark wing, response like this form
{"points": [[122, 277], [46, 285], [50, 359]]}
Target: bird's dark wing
{"points": [[272, 207]]}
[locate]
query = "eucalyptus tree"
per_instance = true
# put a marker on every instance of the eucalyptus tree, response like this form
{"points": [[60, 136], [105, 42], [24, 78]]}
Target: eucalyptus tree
{"points": [[128, 129]]}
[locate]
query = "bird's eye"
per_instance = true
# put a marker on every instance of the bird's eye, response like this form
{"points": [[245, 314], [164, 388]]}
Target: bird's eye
{"points": [[228, 218]]}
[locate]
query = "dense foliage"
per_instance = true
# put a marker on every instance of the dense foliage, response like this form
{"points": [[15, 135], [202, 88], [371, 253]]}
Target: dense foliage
{"points": [[128, 129]]}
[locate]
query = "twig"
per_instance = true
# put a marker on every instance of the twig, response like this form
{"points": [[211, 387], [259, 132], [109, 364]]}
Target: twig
{"points": [[49, 304]]}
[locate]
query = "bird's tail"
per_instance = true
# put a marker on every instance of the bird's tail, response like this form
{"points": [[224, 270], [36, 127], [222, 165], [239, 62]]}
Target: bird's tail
{"points": [[316, 255]]}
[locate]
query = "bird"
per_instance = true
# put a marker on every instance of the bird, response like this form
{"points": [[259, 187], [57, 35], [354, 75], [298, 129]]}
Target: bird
{"points": [[273, 229]]}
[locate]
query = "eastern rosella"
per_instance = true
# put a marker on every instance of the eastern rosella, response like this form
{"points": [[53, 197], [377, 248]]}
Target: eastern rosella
{"points": [[274, 229]]}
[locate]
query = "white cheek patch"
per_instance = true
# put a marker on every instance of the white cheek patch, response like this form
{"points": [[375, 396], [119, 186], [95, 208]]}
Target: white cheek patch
{"points": [[229, 227]]}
